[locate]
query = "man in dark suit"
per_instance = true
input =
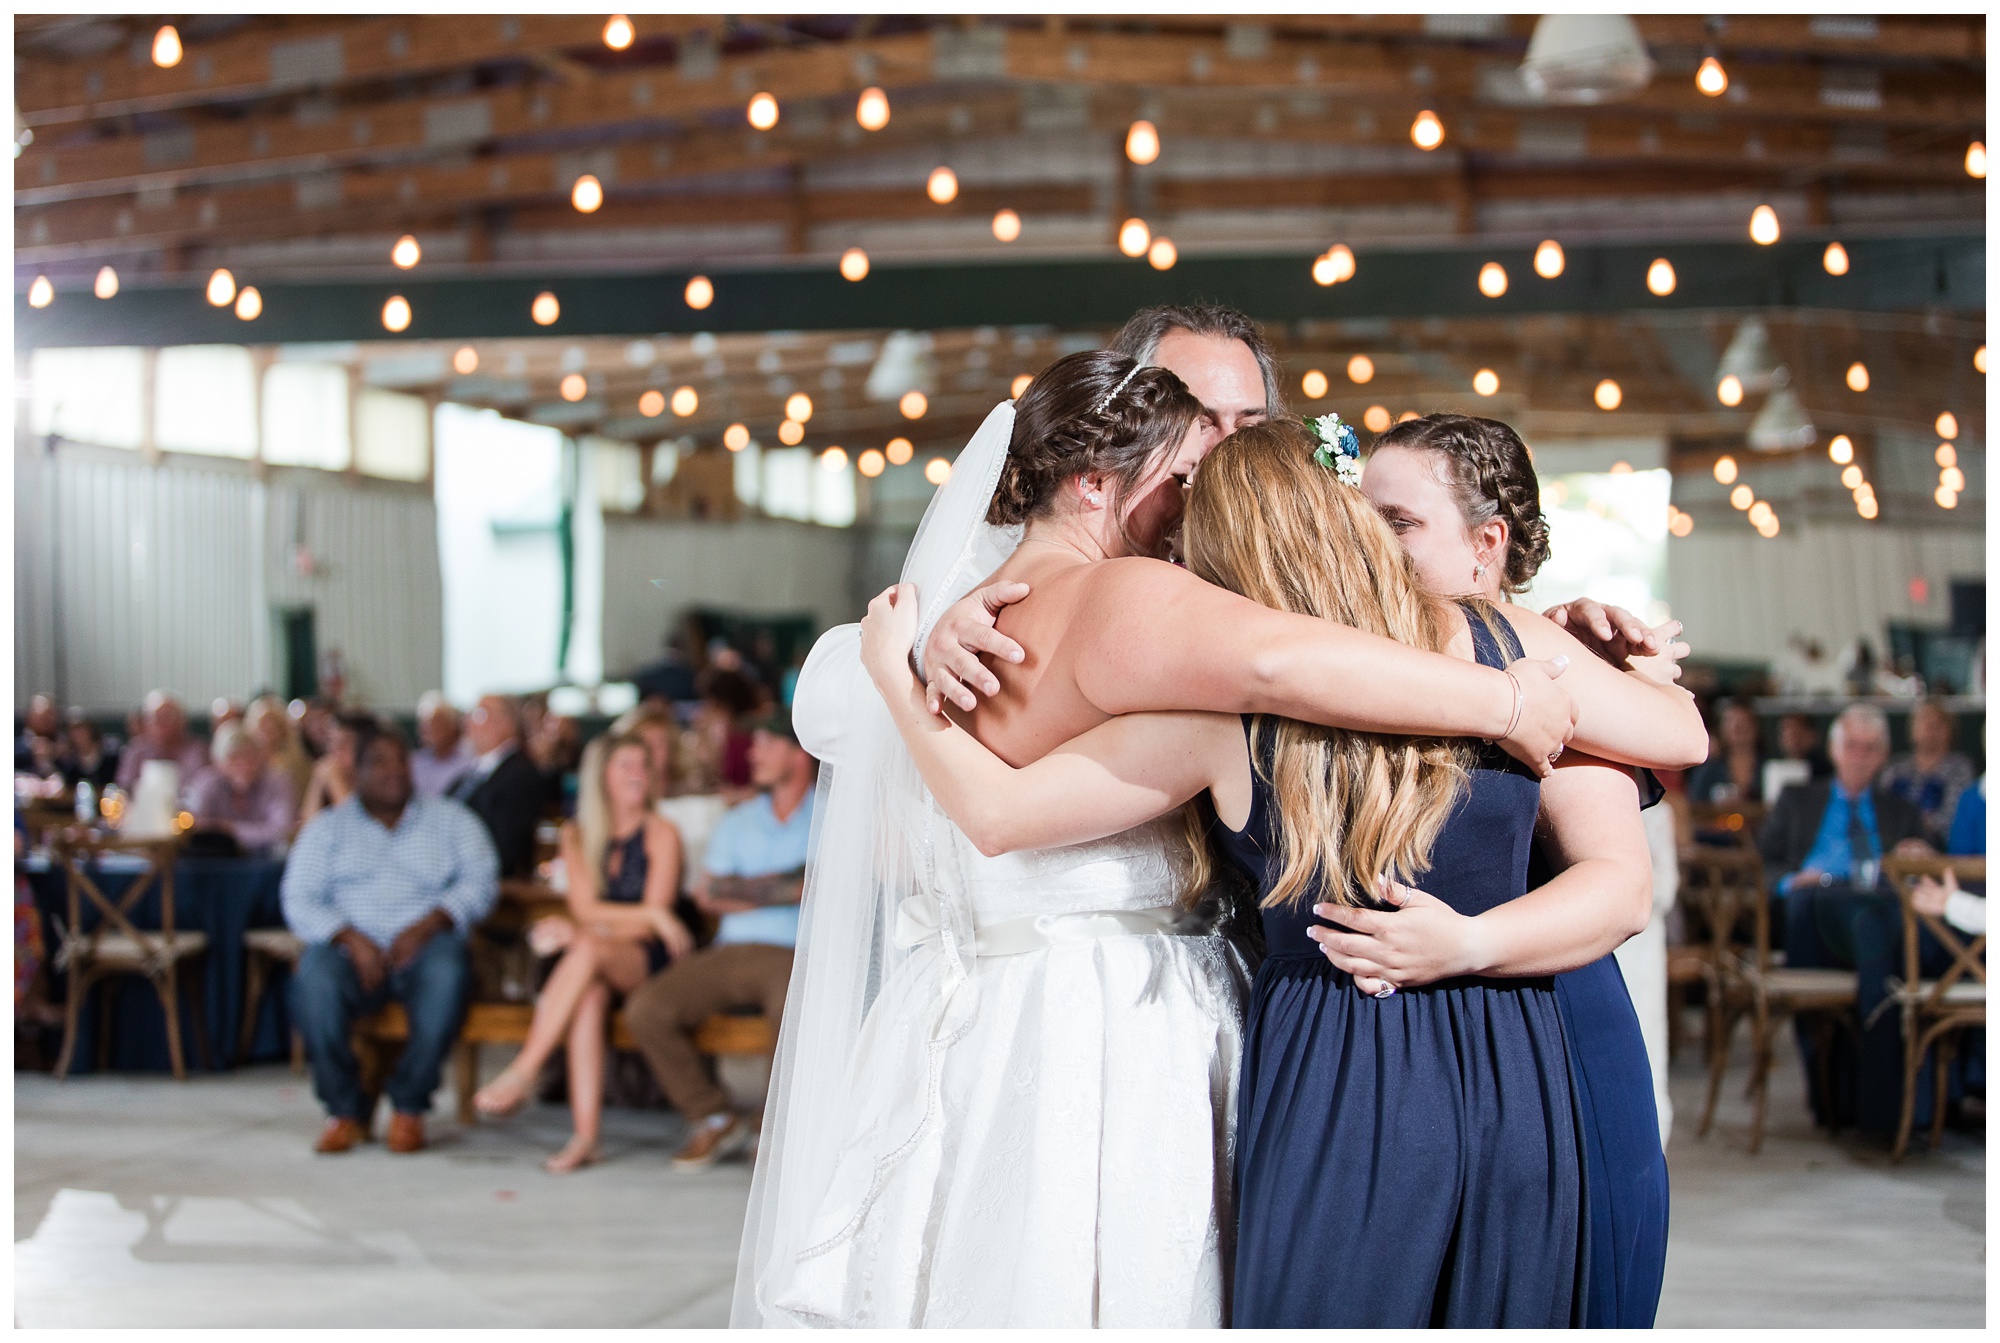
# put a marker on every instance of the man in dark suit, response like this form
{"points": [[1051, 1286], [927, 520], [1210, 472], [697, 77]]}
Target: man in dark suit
{"points": [[503, 788]]}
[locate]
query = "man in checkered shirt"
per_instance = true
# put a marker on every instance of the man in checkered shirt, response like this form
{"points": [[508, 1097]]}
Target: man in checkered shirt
{"points": [[383, 890]]}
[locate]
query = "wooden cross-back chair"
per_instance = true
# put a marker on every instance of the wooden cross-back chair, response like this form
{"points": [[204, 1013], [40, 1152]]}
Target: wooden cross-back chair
{"points": [[1934, 1011], [115, 945], [1724, 889]]}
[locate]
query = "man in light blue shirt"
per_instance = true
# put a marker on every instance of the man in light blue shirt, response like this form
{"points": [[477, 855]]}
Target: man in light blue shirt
{"points": [[754, 874], [383, 890]]}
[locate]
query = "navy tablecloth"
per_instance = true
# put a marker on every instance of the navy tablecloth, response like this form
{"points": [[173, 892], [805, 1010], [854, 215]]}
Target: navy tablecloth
{"points": [[222, 897]]}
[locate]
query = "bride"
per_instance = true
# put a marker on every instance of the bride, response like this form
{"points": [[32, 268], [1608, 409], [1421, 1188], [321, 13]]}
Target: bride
{"points": [[1003, 1091]]}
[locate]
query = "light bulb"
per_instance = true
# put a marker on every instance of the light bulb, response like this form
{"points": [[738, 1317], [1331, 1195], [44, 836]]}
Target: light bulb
{"points": [[1979, 359], [763, 111], [249, 304], [1759, 511], [1946, 455], [913, 404], [1163, 254], [871, 109], [1006, 226], [1360, 369], [1493, 279], [1730, 390], [1323, 271], [1742, 497], [1946, 497], [545, 309], [1681, 525], [700, 292], [1711, 79], [833, 459], [587, 194], [899, 451], [221, 289], [652, 403], [106, 285], [942, 187], [1609, 396], [1857, 377], [1725, 469], [465, 360], [1947, 425], [1376, 419], [1313, 384], [1020, 384], [1763, 226], [870, 463], [1841, 450], [1952, 479], [573, 387], [1142, 143], [396, 313], [791, 433], [1851, 477], [937, 470], [854, 264], [1835, 259], [618, 32], [1660, 277], [1341, 258], [1768, 527], [41, 293], [167, 47], [1427, 132], [1134, 237], [798, 406], [1867, 508], [736, 437], [406, 253], [1549, 259], [1975, 159], [684, 402], [1486, 382]]}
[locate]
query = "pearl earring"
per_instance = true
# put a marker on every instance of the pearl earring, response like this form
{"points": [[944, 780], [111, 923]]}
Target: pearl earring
{"points": [[1094, 498], [1478, 572]]}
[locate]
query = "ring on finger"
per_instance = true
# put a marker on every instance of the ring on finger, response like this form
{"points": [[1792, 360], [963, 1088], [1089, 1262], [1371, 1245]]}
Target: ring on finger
{"points": [[1387, 990]]}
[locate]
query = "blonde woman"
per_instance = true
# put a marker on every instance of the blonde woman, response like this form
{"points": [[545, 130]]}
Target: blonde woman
{"points": [[624, 867], [1406, 1154], [272, 727], [653, 722]]}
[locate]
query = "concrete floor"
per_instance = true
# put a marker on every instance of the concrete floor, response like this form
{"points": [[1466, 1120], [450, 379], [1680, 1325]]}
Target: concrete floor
{"points": [[138, 1201]]}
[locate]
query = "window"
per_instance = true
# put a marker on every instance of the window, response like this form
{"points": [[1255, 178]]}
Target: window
{"points": [[788, 485], [833, 495], [619, 487], [750, 474], [392, 438], [305, 415], [89, 396], [205, 400]]}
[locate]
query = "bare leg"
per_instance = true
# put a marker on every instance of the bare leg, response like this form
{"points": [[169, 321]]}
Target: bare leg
{"points": [[586, 1080], [574, 975]]}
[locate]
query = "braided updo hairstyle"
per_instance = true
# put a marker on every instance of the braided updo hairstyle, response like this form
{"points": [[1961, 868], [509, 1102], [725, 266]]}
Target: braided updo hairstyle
{"points": [[1075, 419], [1487, 468]]}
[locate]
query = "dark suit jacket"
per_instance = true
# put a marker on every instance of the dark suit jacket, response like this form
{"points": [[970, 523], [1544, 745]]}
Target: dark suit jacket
{"points": [[510, 801], [1793, 825]]}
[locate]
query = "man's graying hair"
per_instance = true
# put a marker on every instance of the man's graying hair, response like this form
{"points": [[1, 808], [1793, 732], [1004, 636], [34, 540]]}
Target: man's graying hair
{"points": [[1140, 339]]}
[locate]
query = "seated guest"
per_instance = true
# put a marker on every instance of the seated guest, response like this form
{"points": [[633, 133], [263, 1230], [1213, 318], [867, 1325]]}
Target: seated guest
{"points": [[243, 796], [624, 866], [1734, 771], [222, 710], [315, 719], [555, 747], [1798, 739], [1932, 775], [36, 749], [1968, 821], [446, 754], [332, 781], [720, 738], [754, 874], [654, 722], [86, 756], [383, 890], [503, 788], [164, 736], [273, 728]]}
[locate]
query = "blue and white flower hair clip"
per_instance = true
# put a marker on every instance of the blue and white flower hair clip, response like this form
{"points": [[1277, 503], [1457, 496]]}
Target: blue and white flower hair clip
{"points": [[1339, 448]]}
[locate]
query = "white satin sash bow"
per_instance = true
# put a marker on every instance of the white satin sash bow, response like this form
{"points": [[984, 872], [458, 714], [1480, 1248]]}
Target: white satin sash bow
{"points": [[916, 923]]}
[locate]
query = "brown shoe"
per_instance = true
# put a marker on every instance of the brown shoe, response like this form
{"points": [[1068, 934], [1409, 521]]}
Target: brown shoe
{"points": [[714, 1138], [339, 1135], [406, 1133]]}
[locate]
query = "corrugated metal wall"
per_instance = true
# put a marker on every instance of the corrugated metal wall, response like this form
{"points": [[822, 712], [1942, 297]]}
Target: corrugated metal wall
{"points": [[130, 576]]}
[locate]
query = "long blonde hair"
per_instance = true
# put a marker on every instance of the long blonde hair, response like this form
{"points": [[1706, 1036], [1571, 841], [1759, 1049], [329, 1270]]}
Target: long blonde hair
{"points": [[593, 803], [1267, 521]]}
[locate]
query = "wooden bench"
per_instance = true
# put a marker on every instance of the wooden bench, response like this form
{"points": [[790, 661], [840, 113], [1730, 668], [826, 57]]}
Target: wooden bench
{"points": [[507, 1024]]}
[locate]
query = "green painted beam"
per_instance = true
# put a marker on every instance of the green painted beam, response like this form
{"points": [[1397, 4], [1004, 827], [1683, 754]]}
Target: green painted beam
{"points": [[1942, 273]]}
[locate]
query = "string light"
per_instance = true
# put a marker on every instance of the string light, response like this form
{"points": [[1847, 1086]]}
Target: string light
{"points": [[406, 253], [396, 313], [1334, 265], [1660, 277], [545, 309], [913, 404], [1946, 455], [465, 360], [1020, 384], [1867, 507], [1134, 237], [1851, 477], [1725, 469], [1006, 226], [763, 111], [573, 387], [1679, 523], [1979, 359], [1730, 390], [249, 304], [684, 402], [937, 470], [106, 285], [854, 265], [1834, 259], [871, 109], [1768, 527], [1952, 479], [1376, 419], [41, 293], [1360, 369], [1841, 450], [1742, 497], [1407, 416], [791, 433], [652, 403], [1549, 259], [1313, 384], [221, 289], [1711, 78], [167, 47], [833, 459], [1763, 226], [700, 292], [618, 32], [1142, 143], [1975, 159], [1947, 425], [942, 187], [1162, 254], [1946, 498], [736, 437], [1493, 279], [1609, 395], [587, 194], [899, 451], [1486, 382], [871, 463], [798, 406], [1427, 132], [1760, 512], [1857, 377]]}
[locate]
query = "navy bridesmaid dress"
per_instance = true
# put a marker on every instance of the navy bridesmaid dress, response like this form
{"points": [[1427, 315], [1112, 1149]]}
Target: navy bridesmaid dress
{"points": [[1411, 1161]]}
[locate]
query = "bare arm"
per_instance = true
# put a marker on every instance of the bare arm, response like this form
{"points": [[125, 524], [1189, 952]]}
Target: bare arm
{"points": [[594, 914], [1620, 715]]}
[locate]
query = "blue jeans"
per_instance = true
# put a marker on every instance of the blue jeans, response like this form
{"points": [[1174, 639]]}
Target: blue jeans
{"points": [[327, 997]]}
